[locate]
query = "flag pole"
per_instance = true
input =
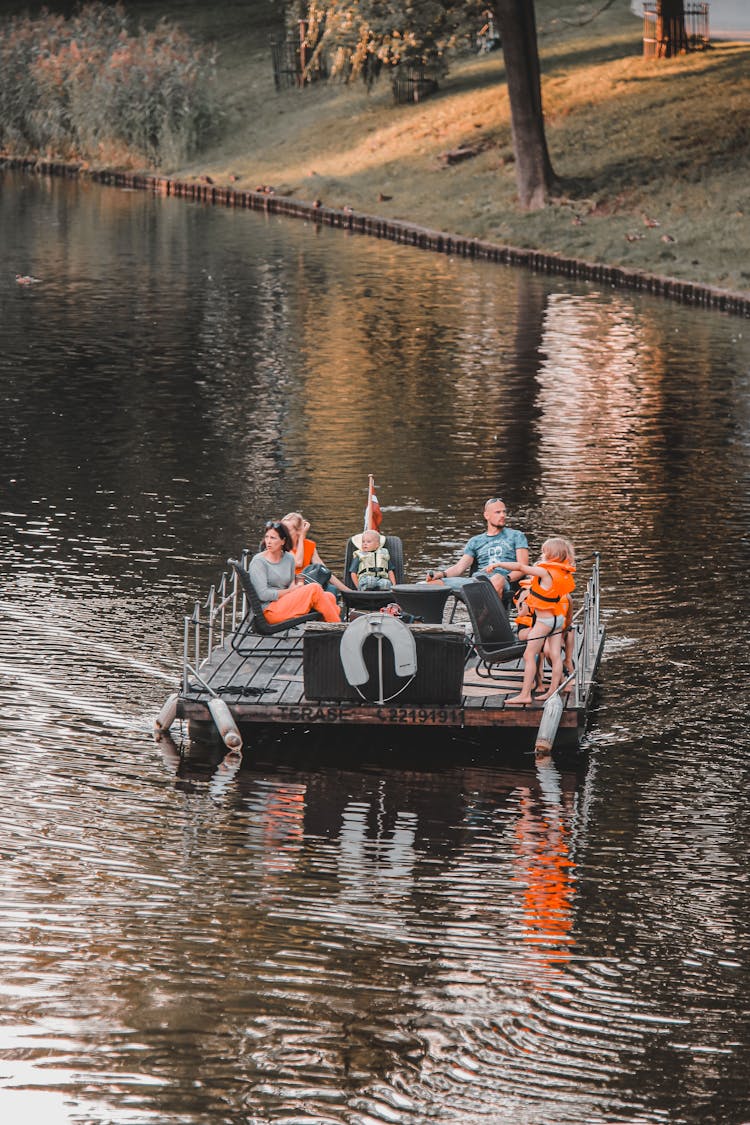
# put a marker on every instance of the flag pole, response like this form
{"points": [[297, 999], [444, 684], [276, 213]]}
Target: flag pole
{"points": [[368, 509]]}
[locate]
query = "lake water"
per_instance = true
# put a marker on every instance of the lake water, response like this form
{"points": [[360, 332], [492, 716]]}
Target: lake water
{"points": [[399, 932]]}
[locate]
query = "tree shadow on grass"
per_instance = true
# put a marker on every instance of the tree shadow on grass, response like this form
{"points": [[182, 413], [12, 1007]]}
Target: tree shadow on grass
{"points": [[573, 58], [467, 77], [688, 137]]}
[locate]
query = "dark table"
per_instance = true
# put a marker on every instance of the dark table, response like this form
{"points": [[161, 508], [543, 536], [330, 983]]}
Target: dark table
{"points": [[369, 601], [423, 599]]}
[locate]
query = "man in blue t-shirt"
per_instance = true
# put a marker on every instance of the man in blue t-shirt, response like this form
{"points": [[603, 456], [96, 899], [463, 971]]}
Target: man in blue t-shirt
{"points": [[489, 552]]}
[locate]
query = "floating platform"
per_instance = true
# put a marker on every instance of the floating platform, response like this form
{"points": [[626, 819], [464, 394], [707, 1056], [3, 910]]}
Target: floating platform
{"points": [[297, 679]]}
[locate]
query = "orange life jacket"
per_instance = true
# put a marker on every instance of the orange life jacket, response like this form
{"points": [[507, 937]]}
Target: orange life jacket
{"points": [[552, 599], [308, 551], [524, 616]]}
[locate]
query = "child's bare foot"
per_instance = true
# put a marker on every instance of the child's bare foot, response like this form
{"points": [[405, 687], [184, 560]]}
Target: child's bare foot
{"points": [[518, 700]]}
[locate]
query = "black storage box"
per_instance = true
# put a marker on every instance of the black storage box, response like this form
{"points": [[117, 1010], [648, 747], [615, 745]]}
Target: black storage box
{"points": [[440, 666]]}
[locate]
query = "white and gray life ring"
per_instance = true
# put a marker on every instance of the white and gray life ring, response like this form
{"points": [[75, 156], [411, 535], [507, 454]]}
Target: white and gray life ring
{"points": [[384, 627]]}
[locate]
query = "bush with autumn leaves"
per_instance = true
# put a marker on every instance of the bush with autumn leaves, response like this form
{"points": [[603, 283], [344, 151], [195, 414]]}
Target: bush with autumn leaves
{"points": [[89, 88]]}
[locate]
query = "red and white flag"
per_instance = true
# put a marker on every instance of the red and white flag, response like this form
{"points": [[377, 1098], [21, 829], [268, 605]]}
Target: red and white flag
{"points": [[373, 514]]}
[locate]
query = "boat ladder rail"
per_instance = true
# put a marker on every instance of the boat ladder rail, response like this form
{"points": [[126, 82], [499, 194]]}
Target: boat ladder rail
{"points": [[589, 636], [225, 607]]}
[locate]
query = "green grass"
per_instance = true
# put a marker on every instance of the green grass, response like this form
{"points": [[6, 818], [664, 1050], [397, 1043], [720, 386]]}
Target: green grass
{"points": [[631, 138]]}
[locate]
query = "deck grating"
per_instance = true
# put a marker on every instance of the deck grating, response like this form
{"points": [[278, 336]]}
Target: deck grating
{"points": [[265, 682]]}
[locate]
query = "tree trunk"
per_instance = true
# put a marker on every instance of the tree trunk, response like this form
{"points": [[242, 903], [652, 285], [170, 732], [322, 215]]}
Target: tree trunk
{"points": [[671, 33], [534, 173]]}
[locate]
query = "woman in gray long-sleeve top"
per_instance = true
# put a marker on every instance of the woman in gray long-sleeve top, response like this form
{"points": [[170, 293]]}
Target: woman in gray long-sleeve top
{"points": [[272, 575]]}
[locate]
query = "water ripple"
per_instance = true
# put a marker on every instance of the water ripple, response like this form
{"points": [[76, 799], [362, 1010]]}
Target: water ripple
{"points": [[457, 937]]}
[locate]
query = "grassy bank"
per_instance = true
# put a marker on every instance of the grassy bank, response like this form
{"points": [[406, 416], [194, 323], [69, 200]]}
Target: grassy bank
{"points": [[636, 142]]}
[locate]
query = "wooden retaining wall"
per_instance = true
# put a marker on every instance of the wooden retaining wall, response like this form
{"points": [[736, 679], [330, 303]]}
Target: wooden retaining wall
{"points": [[618, 277]]}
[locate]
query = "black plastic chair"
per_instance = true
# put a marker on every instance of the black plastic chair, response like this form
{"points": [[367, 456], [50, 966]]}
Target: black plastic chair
{"points": [[506, 596], [367, 600], [255, 620], [395, 549], [492, 639]]}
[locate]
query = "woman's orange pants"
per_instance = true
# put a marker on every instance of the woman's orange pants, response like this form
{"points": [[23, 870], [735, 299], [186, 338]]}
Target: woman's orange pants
{"points": [[302, 599]]}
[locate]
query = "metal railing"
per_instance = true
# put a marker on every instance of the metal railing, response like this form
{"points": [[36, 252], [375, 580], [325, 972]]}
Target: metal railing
{"points": [[294, 60], [588, 636], [412, 83], [224, 608]]}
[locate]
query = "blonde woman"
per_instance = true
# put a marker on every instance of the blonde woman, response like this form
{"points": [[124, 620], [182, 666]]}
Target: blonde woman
{"points": [[305, 550]]}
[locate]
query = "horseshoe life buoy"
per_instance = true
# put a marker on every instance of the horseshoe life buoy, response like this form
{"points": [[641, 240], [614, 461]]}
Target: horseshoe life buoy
{"points": [[377, 625]]}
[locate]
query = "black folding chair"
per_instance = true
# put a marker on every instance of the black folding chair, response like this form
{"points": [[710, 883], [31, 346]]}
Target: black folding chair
{"points": [[492, 639], [506, 597], [255, 620]]}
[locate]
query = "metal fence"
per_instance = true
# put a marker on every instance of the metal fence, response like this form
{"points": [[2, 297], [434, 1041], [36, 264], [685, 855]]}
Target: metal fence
{"points": [[291, 57], [665, 37], [413, 83], [286, 64]]}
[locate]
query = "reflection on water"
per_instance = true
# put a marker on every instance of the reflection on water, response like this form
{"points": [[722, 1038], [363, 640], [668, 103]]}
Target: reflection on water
{"points": [[545, 865], [334, 930]]}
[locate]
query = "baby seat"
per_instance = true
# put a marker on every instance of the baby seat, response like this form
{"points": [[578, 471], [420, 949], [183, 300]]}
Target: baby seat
{"points": [[372, 599]]}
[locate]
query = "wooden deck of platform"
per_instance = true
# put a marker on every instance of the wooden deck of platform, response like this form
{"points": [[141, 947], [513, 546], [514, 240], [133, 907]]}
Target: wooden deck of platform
{"points": [[266, 685]]}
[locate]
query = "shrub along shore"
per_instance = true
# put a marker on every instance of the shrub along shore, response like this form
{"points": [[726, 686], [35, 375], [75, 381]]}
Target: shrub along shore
{"points": [[653, 155], [88, 84]]}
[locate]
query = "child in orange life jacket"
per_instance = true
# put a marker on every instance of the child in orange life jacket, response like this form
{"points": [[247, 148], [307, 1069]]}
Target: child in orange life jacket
{"points": [[552, 581], [568, 634], [523, 621], [524, 618]]}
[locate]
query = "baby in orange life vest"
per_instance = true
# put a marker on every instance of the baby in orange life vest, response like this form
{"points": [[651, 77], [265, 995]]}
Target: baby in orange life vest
{"points": [[547, 597]]}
